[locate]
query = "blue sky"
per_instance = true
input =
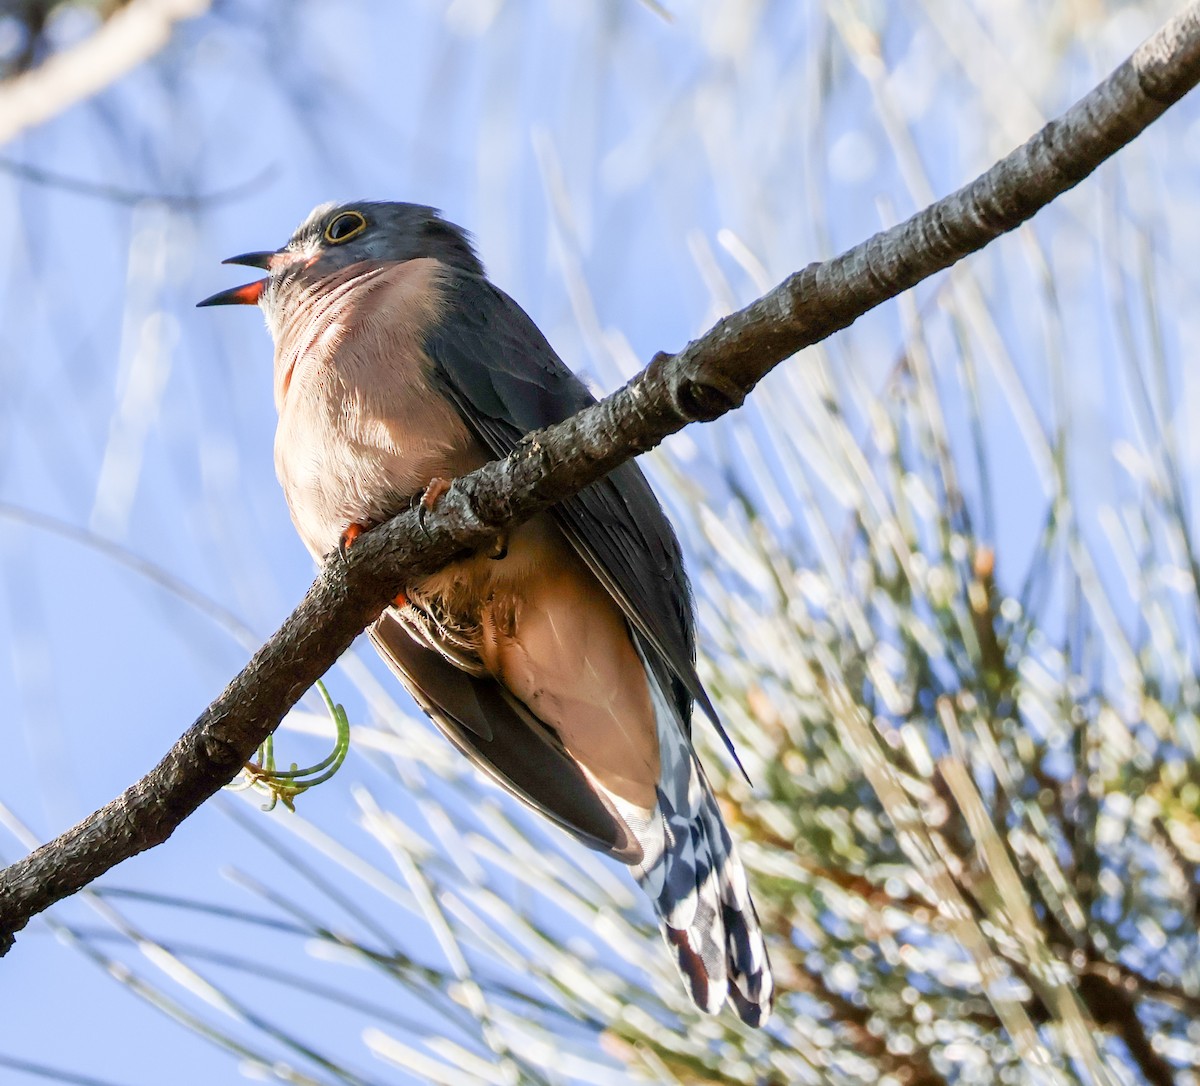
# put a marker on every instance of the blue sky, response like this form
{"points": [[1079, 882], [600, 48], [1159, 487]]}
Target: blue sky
{"points": [[627, 179]]}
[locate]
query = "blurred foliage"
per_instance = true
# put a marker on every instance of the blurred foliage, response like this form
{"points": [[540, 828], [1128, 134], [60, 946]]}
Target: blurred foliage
{"points": [[32, 29], [945, 572]]}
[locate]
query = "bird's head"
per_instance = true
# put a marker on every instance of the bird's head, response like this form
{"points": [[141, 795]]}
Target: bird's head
{"points": [[336, 236]]}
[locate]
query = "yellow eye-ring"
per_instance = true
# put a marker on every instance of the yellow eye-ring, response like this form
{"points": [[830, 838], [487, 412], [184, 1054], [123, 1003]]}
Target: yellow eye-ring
{"points": [[349, 224]]}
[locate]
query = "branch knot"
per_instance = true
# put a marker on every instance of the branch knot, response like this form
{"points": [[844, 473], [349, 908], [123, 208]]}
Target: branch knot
{"points": [[707, 397]]}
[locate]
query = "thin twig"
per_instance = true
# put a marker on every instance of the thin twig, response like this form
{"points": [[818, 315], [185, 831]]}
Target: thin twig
{"points": [[117, 194]]}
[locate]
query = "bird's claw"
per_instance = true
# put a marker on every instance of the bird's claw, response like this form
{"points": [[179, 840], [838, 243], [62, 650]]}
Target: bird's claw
{"points": [[433, 492], [499, 547], [347, 538]]}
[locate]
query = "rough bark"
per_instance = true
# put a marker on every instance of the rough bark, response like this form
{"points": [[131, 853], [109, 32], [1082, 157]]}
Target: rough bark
{"points": [[709, 377]]}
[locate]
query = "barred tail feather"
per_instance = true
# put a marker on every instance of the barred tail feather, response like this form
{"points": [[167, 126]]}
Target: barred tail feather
{"points": [[751, 985], [691, 872]]}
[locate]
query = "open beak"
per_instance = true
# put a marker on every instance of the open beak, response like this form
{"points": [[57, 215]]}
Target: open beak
{"points": [[250, 293]]}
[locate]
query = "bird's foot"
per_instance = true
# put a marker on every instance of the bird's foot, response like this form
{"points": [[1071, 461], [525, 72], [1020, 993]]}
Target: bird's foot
{"points": [[434, 491], [433, 494], [347, 538], [499, 547], [347, 541]]}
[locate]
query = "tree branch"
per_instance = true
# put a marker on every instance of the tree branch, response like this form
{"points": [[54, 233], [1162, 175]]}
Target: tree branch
{"points": [[130, 36], [117, 194], [709, 377]]}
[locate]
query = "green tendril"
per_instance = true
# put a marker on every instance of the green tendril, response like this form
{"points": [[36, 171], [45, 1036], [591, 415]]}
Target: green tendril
{"points": [[284, 785]]}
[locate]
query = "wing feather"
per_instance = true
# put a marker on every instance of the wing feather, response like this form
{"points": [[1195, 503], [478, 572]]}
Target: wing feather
{"points": [[497, 368], [502, 737]]}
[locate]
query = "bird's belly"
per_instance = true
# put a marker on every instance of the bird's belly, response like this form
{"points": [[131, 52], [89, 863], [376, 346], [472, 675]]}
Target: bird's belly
{"points": [[540, 622], [344, 464], [362, 425]]}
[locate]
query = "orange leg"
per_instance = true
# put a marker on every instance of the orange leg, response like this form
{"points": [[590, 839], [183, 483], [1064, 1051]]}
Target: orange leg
{"points": [[348, 537], [434, 491]]}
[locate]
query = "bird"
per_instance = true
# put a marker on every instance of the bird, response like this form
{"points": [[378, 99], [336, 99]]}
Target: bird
{"points": [[560, 661]]}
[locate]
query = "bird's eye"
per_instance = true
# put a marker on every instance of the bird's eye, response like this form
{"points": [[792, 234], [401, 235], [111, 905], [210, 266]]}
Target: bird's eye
{"points": [[349, 224]]}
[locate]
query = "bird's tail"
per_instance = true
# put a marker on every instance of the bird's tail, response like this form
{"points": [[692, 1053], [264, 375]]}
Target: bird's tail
{"points": [[693, 875]]}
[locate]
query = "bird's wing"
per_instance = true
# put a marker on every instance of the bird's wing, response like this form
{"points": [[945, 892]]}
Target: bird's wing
{"points": [[501, 736], [505, 379]]}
